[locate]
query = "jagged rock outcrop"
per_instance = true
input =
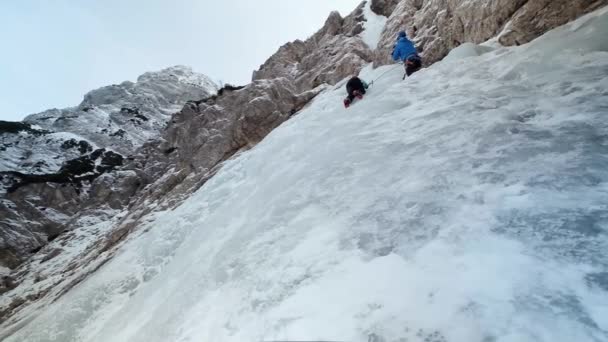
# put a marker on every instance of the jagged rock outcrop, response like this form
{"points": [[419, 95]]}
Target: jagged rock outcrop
{"points": [[37, 208], [537, 17], [437, 26], [331, 54], [208, 132]]}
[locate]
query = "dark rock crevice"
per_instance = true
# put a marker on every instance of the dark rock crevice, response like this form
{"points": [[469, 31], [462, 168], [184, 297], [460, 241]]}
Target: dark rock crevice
{"points": [[16, 127], [82, 146], [73, 172]]}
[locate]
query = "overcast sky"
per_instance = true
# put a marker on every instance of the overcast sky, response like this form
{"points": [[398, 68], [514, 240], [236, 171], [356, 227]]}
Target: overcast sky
{"points": [[53, 52]]}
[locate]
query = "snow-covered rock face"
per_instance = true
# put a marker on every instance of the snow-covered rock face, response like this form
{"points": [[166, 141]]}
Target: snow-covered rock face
{"points": [[118, 117], [50, 159], [124, 116], [466, 204], [441, 25]]}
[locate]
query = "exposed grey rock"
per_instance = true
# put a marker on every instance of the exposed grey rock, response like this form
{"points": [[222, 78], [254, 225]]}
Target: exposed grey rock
{"points": [[31, 216], [437, 26], [37, 206], [206, 133], [537, 17], [7, 283], [115, 190], [53, 253], [384, 7], [333, 53]]}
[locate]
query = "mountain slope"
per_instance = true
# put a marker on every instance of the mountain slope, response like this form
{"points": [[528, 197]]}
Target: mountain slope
{"points": [[466, 203], [51, 160], [336, 50]]}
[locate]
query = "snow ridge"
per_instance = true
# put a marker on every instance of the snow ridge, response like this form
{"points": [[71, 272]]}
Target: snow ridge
{"points": [[118, 117]]}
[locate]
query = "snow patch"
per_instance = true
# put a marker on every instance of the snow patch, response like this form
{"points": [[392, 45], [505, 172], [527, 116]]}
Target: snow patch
{"points": [[373, 26]]}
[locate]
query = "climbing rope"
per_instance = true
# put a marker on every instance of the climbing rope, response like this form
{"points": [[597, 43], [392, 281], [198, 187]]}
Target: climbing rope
{"points": [[384, 73]]}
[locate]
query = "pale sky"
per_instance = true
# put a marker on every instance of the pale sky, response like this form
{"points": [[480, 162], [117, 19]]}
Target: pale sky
{"points": [[54, 51]]}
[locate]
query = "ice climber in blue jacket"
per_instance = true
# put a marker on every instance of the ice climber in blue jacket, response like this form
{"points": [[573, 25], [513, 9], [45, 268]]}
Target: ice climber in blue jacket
{"points": [[405, 51]]}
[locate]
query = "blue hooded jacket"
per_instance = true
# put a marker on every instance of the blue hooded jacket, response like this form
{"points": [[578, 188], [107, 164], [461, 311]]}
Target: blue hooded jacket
{"points": [[404, 48]]}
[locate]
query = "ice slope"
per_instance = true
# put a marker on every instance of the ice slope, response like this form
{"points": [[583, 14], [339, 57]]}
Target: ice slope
{"points": [[468, 203]]}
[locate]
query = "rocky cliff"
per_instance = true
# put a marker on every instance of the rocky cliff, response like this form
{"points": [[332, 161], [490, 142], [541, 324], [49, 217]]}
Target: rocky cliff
{"points": [[438, 26], [328, 56]]}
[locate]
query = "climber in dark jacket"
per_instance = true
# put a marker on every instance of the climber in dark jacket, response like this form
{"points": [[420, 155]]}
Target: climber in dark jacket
{"points": [[405, 51], [355, 88]]}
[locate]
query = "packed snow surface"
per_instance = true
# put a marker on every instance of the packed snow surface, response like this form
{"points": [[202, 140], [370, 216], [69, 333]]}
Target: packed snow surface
{"points": [[468, 203]]}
